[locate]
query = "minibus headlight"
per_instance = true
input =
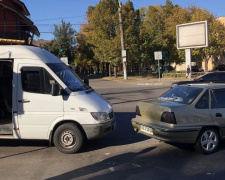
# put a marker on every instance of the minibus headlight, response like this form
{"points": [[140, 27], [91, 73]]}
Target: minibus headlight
{"points": [[100, 116]]}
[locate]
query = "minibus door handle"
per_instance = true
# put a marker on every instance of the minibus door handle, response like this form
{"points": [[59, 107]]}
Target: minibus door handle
{"points": [[23, 101]]}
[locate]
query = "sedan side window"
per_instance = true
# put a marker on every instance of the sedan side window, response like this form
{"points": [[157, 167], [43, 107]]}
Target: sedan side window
{"points": [[203, 102], [218, 98]]}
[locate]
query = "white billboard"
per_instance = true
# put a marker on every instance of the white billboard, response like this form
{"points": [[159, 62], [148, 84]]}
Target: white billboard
{"points": [[192, 35]]}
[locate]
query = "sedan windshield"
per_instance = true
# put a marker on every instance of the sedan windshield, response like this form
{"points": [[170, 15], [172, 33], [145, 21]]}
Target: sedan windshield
{"points": [[181, 94], [68, 77]]}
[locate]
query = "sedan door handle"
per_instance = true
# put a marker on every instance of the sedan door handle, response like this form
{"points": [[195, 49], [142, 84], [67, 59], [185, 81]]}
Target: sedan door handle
{"points": [[218, 115], [23, 101]]}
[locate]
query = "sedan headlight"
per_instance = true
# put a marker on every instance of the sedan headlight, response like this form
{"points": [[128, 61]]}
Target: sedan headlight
{"points": [[101, 116]]}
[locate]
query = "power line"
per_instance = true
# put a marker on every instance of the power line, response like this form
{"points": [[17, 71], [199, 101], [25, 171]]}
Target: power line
{"points": [[8, 25], [59, 18]]}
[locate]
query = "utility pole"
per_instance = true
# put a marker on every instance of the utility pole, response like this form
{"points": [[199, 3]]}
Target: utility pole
{"points": [[122, 42]]}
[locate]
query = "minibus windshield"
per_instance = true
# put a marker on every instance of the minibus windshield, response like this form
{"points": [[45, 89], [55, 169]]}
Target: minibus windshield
{"points": [[71, 80]]}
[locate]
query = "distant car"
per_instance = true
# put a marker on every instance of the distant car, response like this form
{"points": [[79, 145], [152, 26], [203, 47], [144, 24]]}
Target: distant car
{"points": [[185, 114], [196, 69], [169, 68], [220, 67], [211, 77], [146, 70]]}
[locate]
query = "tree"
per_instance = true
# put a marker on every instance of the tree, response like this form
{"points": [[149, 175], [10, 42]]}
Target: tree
{"points": [[101, 32], [64, 42], [158, 32], [216, 35], [84, 53], [131, 26], [145, 30], [177, 16]]}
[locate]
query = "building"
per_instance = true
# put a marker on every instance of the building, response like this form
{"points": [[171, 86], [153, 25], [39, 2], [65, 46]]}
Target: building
{"points": [[15, 26], [222, 19]]}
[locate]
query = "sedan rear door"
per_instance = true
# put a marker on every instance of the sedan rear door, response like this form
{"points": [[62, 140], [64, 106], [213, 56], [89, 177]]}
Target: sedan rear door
{"points": [[218, 108]]}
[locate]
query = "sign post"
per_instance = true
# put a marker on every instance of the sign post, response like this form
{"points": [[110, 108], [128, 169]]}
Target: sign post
{"points": [[158, 56]]}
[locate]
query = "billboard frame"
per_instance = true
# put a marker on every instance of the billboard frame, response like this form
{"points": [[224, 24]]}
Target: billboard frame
{"points": [[197, 38]]}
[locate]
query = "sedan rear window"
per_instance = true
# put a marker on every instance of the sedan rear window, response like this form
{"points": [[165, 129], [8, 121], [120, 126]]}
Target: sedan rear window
{"points": [[181, 94]]}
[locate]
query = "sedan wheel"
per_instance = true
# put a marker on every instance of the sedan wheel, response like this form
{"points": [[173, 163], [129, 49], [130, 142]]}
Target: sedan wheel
{"points": [[208, 141]]}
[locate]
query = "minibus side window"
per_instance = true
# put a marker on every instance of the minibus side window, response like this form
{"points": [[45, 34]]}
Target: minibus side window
{"points": [[36, 80]]}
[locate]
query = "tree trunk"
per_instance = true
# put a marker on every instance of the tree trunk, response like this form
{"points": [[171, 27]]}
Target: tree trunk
{"points": [[206, 59], [110, 75], [115, 72], [103, 69]]}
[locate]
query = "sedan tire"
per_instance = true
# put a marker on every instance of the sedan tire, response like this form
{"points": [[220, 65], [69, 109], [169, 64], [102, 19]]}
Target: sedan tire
{"points": [[208, 141], [68, 138]]}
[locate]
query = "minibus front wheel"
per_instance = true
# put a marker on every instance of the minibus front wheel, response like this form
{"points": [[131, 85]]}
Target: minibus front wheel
{"points": [[68, 138]]}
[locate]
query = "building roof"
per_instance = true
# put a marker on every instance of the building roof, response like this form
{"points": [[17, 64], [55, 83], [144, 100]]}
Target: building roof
{"points": [[24, 9], [23, 13]]}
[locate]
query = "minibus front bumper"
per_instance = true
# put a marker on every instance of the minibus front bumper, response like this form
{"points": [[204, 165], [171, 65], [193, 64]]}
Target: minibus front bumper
{"points": [[97, 130]]}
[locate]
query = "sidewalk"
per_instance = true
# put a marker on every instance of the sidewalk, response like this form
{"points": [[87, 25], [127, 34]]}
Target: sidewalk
{"points": [[159, 82], [147, 81]]}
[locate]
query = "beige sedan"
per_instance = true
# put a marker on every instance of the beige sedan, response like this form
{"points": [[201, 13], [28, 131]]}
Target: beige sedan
{"points": [[193, 113]]}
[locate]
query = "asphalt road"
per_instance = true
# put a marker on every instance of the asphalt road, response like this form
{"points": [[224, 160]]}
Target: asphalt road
{"points": [[122, 154]]}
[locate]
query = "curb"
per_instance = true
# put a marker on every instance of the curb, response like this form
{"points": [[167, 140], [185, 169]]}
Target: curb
{"points": [[154, 84]]}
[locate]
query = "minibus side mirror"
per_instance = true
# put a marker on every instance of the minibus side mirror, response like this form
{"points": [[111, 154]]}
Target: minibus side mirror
{"points": [[86, 81], [55, 89]]}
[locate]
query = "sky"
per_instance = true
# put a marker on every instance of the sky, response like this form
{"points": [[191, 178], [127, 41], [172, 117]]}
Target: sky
{"points": [[46, 13]]}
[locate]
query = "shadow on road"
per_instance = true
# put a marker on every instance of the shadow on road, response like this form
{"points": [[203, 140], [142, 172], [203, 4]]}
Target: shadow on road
{"points": [[152, 163], [18, 142], [103, 165], [17, 154], [123, 134]]}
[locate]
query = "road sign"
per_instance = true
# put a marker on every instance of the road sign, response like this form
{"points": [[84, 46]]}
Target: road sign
{"points": [[124, 53], [158, 55]]}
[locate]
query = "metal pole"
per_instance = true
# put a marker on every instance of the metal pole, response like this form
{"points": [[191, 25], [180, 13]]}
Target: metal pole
{"points": [[122, 41], [188, 62], [159, 69]]}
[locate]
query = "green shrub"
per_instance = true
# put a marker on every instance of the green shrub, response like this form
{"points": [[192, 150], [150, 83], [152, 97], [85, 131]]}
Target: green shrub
{"points": [[174, 74]]}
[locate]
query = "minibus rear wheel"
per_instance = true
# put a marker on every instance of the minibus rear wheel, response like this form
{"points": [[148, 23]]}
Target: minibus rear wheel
{"points": [[68, 138]]}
